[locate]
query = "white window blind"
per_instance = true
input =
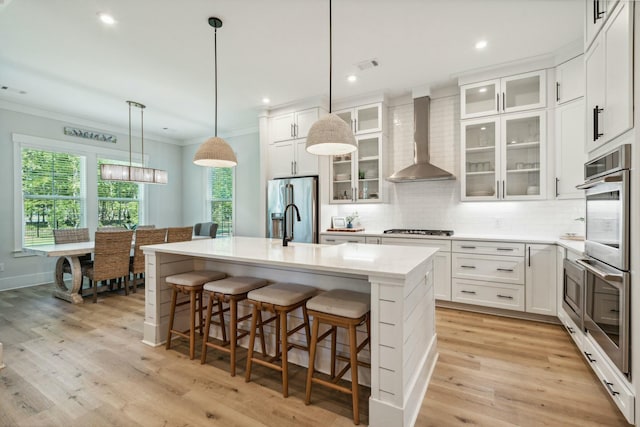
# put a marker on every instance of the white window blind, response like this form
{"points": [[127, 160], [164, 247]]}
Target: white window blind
{"points": [[119, 202], [220, 199], [53, 194]]}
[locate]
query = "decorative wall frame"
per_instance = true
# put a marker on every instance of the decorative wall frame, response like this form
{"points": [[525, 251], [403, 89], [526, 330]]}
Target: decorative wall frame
{"points": [[90, 134]]}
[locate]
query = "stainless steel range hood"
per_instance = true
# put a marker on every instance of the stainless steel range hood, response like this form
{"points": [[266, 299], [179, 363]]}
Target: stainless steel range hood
{"points": [[422, 169]]}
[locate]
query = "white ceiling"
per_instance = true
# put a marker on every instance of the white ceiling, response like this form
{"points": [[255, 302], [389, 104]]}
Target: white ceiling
{"points": [[160, 52]]}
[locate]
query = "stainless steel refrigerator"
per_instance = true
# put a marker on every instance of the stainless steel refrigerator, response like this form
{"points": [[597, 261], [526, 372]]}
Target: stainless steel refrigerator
{"points": [[303, 192]]}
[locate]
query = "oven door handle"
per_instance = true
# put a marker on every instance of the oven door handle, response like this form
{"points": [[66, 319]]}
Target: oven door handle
{"points": [[589, 184], [601, 274]]}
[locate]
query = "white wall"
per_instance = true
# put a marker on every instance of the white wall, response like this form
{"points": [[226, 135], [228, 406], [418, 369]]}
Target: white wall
{"points": [[436, 204], [247, 181], [164, 201]]}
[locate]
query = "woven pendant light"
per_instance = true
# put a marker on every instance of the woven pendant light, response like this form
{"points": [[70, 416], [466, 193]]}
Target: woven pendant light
{"points": [[215, 152], [330, 135]]}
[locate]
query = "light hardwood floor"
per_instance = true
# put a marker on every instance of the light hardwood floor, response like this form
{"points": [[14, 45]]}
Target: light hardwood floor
{"points": [[84, 365]]}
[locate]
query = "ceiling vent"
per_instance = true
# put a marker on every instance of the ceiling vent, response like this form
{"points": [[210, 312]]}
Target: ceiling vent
{"points": [[369, 63]]}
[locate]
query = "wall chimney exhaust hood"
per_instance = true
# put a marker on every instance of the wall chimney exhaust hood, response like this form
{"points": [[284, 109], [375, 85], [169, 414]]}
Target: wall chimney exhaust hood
{"points": [[422, 169]]}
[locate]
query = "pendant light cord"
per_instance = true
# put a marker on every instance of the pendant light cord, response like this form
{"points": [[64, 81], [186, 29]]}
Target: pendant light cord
{"points": [[215, 66], [142, 132], [330, 55]]}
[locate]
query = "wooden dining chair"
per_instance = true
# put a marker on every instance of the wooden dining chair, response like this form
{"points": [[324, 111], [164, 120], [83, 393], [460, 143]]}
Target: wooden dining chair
{"points": [[179, 234], [72, 235], [206, 229], [110, 259], [144, 236], [144, 227], [111, 228]]}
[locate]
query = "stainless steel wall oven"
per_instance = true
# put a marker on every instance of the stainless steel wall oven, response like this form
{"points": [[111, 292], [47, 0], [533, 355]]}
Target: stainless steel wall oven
{"points": [[607, 279]]}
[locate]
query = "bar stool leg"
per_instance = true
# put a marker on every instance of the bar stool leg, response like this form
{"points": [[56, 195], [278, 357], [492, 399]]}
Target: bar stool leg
{"points": [[233, 304], [207, 328], [199, 299], [221, 315], [262, 340], [192, 325], [252, 340], [312, 358], [172, 312], [285, 351], [334, 333], [307, 329], [354, 372]]}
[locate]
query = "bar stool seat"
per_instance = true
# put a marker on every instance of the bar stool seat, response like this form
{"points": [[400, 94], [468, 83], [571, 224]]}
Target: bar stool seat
{"points": [[229, 290], [281, 299], [346, 309], [190, 283]]}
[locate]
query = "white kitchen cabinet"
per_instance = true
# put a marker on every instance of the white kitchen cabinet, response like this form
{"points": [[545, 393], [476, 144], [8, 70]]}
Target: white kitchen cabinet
{"points": [[490, 268], [570, 149], [290, 158], [540, 279], [617, 387], [609, 78], [363, 119], [506, 95], [292, 125], [441, 262], [489, 294], [358, 177], [338, 239], [570, 80], [503, 158], [595, 15]]}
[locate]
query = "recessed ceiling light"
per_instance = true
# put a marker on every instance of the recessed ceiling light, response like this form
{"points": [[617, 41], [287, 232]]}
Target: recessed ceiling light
{"points": [[483, 128], [106, 18], [482, 89], [352, 78], [481, 44], [266, 100]]}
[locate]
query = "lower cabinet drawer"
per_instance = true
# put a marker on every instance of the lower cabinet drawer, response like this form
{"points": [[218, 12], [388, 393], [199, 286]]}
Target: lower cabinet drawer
{"points": [[574, 331], [490, 294], [610, 379], [504, 269]]}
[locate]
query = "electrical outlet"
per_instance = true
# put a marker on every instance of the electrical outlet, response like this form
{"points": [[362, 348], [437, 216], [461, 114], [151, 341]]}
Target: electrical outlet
{"points": [[1, 266]]}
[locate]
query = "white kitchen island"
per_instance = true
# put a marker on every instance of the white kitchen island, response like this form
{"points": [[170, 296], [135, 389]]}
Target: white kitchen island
{"points": [[399, 279]]}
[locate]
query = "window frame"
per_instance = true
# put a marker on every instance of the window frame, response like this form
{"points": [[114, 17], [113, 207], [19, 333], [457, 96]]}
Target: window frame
{"points": [[208, 199], [90, 154]]}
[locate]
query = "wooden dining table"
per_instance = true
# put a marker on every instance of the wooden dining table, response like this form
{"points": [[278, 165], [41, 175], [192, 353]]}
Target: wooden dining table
{"points": [[70, 252]]}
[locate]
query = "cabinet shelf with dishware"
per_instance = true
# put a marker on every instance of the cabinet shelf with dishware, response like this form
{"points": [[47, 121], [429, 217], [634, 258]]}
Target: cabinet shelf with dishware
{"points": [[503, 157], [358, 177]]}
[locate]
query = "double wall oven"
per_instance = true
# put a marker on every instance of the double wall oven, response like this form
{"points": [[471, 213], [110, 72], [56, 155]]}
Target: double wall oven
{"points": [[605, 287]]}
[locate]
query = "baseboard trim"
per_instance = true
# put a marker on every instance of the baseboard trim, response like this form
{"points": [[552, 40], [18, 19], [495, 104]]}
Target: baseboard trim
{"points": [[498, 312]]}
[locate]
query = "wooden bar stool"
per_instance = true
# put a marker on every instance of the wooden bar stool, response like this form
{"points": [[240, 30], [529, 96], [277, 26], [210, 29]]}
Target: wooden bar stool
{"points": [[228, 291], [190, 283], [280, 299], [345, 309]]}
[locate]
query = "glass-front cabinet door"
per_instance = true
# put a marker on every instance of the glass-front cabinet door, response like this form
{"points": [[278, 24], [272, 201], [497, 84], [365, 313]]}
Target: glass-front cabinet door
{"points": [[480, 159], [523, 92], [356, 177], [363, 119], [480, 99], [523, 154]]}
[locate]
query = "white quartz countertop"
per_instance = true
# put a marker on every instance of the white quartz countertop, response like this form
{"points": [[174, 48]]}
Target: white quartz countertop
{"points": [[349, 258], [574, 245]]}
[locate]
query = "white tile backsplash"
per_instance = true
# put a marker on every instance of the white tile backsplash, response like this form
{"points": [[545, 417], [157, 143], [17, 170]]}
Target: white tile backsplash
{"points": [[437, 205]]}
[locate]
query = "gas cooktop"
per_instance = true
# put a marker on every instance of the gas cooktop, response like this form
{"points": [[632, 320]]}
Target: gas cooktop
{"points": [[419, 232]]}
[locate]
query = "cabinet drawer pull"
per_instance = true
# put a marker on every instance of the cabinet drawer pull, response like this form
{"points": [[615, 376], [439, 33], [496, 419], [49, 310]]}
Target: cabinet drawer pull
{"points": [[505, 249], [610, 387], [353, 241], [330, 240], [468, 247], [504, 296], [557, 91], [588, 356], [469, 292], [570, 329], [510, 270], [467, 266]]}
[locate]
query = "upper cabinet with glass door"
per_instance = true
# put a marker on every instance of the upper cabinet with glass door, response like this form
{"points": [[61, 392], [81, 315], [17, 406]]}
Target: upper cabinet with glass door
{"points": [[363, 119], [506, 95]]}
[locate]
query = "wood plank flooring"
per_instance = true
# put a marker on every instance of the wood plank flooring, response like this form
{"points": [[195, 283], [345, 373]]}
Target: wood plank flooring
{"points": [[84, 365]]}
